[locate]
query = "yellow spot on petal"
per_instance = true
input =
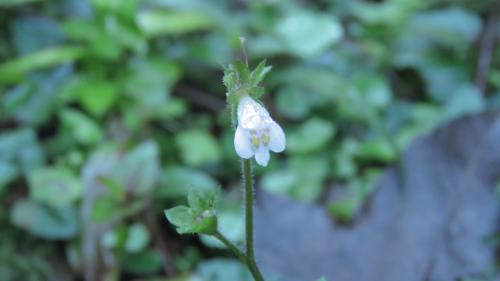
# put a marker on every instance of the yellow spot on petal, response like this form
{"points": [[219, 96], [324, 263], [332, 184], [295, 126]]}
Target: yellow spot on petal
{"points": [[265, 139], [255, 139]]}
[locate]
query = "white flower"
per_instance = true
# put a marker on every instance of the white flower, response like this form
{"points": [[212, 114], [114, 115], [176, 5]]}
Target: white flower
{"points": [[257, 133]]}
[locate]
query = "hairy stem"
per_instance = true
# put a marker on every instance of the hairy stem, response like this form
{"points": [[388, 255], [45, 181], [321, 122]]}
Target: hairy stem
{"points": [[249, 192], [248, 183], [252, 266], [236, 251]]}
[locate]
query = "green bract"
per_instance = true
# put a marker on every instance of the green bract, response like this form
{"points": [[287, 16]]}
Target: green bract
{"points": [[200, 217], [240, 81]]}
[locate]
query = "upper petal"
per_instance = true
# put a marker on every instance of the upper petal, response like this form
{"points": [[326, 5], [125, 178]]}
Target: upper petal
{"points": [[262, 156], [251, 114], [242, 143], [277, 139]]}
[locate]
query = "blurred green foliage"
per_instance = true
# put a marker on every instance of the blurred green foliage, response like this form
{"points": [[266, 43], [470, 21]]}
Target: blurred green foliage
{"points": [[111, 110]]}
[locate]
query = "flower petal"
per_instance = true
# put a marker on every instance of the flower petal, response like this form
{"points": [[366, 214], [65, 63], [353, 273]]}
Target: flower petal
{"points": [[251, 114], [277, 139], [242, 143], [262, 156]]}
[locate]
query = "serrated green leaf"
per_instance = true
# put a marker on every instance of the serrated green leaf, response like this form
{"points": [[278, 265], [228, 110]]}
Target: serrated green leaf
{"points": [[186, 220], [200, 199], [200, 217], [180, 215]]}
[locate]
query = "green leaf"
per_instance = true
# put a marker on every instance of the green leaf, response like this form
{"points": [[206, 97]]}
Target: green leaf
{"points": [[374, 90], [307, 34], [198, 147], [302, 180], [137, 239], [180, 215], [14, 70], [21, 148], [311, 171], [344, 159], [466, 100], [115, 190], [160, 22], [451, 26], [442, 77], [35, 100], [32, 33], [97, 96], [45, 222], [310, 136], [178, 180], [149, 81], [8, 172], [280, 182], [293, 102], [83, 129], [344, 209], [187, 220], [57, 187], [200, 199], [200, 217], [7, 3], [104, 209], [379, 149], [126, 9]]}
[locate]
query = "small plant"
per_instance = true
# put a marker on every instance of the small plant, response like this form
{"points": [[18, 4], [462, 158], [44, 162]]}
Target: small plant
{"points": [[256, 133]]}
